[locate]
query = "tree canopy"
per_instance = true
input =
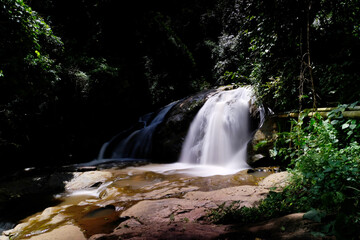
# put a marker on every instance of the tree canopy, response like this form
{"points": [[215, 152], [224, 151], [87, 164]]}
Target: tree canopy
{"points": [[73, 73]]}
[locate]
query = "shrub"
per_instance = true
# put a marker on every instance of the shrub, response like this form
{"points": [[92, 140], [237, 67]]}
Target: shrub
{"points": [[325, 178]]}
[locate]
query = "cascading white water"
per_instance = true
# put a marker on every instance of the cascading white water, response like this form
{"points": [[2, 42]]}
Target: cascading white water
{"points": [[220, 132], [216, 143], [138, 144]]}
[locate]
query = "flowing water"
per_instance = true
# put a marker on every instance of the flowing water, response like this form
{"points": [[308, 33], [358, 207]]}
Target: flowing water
{"points": [[213, 157], [220, 132], [216, 143], [138, 144], [97, 209]]}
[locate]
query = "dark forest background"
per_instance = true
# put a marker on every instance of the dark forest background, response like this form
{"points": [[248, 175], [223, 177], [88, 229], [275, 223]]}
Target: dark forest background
{"points": [[74, 73]]}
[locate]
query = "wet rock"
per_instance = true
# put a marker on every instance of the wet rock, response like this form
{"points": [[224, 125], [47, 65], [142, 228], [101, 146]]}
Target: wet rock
{"points": [[277, 180], [86, 168], [61, 233], [263, 171], [163, 210], [130, 222], [120, 213], [183, 218], [193, 205], [261, 143], [4, 225], [249, 195], [176, 230], [37, 224], [29, 194], [82, 180], [101, 212]]}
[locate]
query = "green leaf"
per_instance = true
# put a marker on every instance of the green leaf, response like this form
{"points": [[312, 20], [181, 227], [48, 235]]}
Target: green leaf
{"points": [[318, 234], [314, 215], [304, 96], [333, 122], [354, 104], [345, 125], [273, 152]]}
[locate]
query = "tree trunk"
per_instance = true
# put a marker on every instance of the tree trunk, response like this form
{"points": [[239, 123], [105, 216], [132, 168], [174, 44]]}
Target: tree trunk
{"points": [[308, 55]]}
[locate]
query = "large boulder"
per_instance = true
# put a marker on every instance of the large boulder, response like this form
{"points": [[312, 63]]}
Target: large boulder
{"points": [[262, 141]]}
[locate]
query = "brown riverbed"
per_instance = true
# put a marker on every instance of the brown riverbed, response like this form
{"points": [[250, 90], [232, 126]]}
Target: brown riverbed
{"points": [[94, 201]]}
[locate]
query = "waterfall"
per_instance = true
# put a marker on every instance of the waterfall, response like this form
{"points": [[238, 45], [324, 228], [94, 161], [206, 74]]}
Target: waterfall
{"points": [[220, 132], [138, 144], [216, 142]]}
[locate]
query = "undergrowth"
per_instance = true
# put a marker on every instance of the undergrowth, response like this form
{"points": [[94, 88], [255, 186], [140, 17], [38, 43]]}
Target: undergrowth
{"points": [[324, 157]]}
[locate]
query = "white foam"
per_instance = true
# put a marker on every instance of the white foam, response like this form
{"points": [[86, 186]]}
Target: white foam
{"points": [[189, 169], [220, 132]]}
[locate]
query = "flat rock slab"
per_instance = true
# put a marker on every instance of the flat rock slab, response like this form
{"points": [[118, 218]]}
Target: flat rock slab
{"points": [[178, 230], [162, 214], [194, 205], [246, 195], [181, 218], [168, 210], [61, 233], [288, 227]]}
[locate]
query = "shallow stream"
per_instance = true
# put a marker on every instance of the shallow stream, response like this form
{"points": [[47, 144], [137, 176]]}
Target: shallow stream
{"points": [[99, 197]]}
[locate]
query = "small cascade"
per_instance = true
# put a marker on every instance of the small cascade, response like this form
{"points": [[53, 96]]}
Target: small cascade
{"points": [[220, 132], [137, 144]]}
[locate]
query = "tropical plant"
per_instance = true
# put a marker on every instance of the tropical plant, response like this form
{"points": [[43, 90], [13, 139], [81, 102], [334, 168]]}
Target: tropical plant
{"points": [[325, 176], [29, 72]]}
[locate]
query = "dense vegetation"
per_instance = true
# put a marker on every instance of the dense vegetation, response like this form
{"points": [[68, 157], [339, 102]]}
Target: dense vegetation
{"points": [[324, 163], [73, 73]]}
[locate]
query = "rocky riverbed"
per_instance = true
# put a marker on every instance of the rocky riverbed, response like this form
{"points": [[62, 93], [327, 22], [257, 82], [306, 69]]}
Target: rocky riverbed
{"points": [[136, 203]]}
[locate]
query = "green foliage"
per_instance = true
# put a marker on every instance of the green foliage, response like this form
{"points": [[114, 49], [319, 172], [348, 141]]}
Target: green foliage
{"points": [[29, 33], [325, 177], [275, 205], [29, 72], [267, 40], [28, 49], [165, 25], [325, 159], [314, 215], [114, 58], [262, 48], [170, 73]]}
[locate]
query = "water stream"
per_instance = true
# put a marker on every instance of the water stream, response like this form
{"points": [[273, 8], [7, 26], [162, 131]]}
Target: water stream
{"points": [[137, 144], [213, 156], [220, 132], [216, 143]]}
